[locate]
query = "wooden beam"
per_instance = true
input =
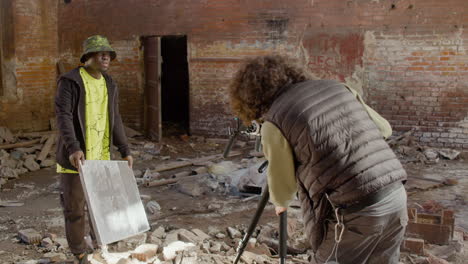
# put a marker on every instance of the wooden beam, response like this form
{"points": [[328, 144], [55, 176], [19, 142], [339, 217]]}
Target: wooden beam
{"points": [[46, 149], [20, 144]]}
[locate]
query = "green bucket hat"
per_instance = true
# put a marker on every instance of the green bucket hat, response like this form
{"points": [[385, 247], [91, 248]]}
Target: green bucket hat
{"points": [[94, 44]]}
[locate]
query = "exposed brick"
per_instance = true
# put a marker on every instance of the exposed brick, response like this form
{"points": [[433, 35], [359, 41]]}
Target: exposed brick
{"points": [[416, 77]]}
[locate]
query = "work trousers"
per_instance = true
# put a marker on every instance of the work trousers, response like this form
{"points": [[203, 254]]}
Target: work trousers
{"points": [[73, 203], [365, 240]]}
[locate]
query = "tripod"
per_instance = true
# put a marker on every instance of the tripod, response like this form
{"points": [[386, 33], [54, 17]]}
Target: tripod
{"points": [[283, 234]]}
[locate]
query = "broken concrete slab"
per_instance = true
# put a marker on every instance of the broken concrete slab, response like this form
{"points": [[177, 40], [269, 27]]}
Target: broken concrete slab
{"points": [[30, 236]]}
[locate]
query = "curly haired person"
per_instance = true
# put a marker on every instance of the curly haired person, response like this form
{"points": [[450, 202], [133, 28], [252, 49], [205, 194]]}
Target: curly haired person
{"points": [[326, 145]]}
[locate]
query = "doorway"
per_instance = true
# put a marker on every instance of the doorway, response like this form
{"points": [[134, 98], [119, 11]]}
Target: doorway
{"points": [[174, 85], [167, 86]]}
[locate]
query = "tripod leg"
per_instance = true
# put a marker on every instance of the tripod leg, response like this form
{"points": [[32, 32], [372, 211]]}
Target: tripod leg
{"points": [[253, 224], [283, 237]]}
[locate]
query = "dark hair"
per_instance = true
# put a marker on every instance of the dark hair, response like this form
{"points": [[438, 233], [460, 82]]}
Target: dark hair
{"points": [[258, 82]]}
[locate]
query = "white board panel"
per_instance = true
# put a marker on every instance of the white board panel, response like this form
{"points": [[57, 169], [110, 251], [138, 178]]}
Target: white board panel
{"points": [[113, 200]]}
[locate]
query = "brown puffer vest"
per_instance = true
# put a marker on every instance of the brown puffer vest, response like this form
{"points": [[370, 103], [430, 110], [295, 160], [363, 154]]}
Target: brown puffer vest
{"points": [[337, 149]]}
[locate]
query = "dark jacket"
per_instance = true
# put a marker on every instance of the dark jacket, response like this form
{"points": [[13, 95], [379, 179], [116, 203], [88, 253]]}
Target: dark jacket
{"points": [[337, 147], [70, 112]]}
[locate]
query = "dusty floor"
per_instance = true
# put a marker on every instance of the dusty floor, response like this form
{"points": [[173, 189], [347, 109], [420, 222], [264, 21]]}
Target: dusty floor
{"points": [[41, 211]]}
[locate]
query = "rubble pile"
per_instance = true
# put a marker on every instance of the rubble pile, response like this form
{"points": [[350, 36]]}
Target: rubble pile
{"points": [[25, 152], [164, 245], [408, 150]]}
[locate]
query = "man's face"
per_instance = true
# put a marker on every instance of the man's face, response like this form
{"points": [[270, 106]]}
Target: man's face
{"points": [[100, 61]]}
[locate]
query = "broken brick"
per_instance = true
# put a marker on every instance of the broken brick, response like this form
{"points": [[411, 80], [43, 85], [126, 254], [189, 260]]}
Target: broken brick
{"points": [[145, 252], [30, 236], [414, 246]]}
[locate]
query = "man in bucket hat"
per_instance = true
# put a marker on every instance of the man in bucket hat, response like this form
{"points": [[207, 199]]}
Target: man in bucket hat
{"points": [[89, 121]]}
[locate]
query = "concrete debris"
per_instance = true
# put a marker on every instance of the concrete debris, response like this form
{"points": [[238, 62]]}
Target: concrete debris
{"points": [[435, 260], [55, 257], [214, 206], [153, 207], [159, 233], [450, 154], [8, 173], [234, 233], [170, 252], [61, 242], [196, 186], [48, 163], [150, 175], [47, 243], [30, 236], [215, 247], [431, 154], [149, 145], [252, 179], [189, 237], [6, 136], [202, 235], [220, 235], [132, 242], [145, 252], [137, 173], [31, 164], [17, 154], [10, 163], [223, 168]]}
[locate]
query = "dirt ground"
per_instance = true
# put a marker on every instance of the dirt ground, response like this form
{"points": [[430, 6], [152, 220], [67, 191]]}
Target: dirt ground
{"points": [[41, 210]]}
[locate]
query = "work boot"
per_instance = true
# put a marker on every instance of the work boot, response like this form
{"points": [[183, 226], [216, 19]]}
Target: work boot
{"points": [[82, 258]]}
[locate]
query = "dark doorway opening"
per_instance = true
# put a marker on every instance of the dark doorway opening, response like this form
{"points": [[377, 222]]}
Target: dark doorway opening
{"points": [[174, 86]]}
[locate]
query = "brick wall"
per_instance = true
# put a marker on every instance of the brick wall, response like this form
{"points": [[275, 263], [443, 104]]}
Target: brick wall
{"points": [[408, 57], [29, 53]]}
